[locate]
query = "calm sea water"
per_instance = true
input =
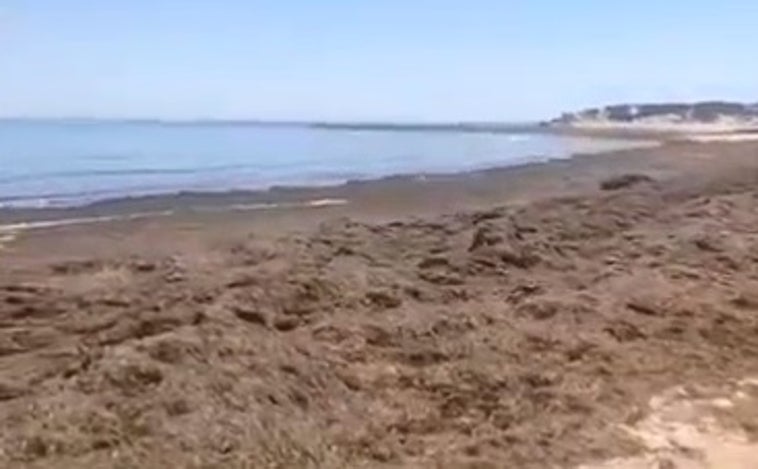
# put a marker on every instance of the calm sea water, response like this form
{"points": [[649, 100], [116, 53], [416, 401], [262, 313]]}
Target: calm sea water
{"points": [[59, 164]]}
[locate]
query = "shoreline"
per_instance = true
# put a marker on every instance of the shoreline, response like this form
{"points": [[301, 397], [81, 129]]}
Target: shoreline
{"points": [[183, 201], [12, 229], [56, 197], [166, 221]]}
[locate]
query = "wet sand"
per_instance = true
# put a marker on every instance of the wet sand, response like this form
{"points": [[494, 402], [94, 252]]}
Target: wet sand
{"points": [[520, 317]]}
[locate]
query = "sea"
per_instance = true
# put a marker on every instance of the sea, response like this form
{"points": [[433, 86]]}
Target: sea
{"points": [[74, 163]]}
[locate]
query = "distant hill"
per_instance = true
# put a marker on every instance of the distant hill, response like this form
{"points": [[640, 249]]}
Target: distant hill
{"points": [[710, 116]]}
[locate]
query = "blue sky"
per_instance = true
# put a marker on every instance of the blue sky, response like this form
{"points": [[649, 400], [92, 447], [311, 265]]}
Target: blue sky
{"points": [[368, 59]]}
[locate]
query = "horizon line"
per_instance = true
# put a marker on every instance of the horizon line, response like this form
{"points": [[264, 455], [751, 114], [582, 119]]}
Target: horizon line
{"points": [[275, 122]]}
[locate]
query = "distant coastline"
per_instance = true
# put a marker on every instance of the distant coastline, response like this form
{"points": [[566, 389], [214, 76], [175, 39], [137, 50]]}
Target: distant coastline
{"points": [[488, 127], [690, 120], [703, 117]]}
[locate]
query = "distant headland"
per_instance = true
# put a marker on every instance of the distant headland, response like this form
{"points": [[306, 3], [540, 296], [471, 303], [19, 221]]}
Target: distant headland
{"points": [[705, 117]]}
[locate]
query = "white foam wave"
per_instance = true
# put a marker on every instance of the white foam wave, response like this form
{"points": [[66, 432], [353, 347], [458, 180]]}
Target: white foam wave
{"points": [[316, 203], [21, 226], [10, 230]]}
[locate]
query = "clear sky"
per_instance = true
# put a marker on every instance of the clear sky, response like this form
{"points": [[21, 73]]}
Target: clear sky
{"points": [[428, 60]]}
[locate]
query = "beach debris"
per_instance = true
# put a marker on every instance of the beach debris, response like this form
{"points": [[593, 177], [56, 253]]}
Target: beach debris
{"points": [[625, 181]]}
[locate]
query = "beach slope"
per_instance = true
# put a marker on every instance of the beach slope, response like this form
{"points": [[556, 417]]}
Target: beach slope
{"points": [[528, 330]]}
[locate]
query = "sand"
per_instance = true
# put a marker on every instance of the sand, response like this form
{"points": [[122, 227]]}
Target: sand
{"points": [[672, 124], [727, 137], [695, 427], [508, 318]]}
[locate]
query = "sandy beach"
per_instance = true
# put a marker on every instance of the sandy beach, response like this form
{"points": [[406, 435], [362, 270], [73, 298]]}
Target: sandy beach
{"points": [[593, 312]]}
